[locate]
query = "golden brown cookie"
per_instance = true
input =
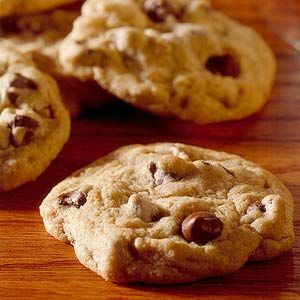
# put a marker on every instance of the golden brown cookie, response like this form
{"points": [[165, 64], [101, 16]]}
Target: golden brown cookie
{"points": [[169, 213]]}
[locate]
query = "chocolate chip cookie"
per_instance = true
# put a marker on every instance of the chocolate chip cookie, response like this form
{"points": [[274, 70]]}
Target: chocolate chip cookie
{"points": [[20, 7], [34, 124], [168, 213], [40, 36], [179, 58]]}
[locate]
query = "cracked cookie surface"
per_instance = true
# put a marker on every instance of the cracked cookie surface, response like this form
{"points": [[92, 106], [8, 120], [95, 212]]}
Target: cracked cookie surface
{"points": [[179, 58], [167, 213], [34, 124]]}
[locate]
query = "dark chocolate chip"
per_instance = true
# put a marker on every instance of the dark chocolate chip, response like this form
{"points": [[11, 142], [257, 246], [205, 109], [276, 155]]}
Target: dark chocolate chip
{"points": [[201, 227], [152, 168], [158, 10], [9, 25], [13, 98], [22, 82], [75, 198], [26, 139], [24, 121], [258, 205], [174, 175], [224, 65]]}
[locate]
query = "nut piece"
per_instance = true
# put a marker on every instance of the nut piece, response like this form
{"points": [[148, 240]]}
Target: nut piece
{"points": [[75, 198], [224, 65], [21, 82], [201, 227]]}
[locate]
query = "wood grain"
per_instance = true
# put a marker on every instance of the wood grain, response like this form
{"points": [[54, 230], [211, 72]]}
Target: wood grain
{"points": [[34, 265]]}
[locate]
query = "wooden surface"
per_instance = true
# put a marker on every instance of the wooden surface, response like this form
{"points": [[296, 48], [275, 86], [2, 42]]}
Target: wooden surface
{"points": [[33, 265]]}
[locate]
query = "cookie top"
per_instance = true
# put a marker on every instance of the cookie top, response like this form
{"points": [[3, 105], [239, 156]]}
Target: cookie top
{"points": [[21, 7], [169, 213], [40, 35], [176, 57], [34, 124]]}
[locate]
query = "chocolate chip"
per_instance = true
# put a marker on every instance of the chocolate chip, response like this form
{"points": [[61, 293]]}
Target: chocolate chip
{"points": [[8, 26], [201, 227], [225, 65], [13, 98], [159, 176], [22, 82], [24, 121], [174, 175], [75, 198], [152, 168], [158, 10], [26, 139], [256, 205]]}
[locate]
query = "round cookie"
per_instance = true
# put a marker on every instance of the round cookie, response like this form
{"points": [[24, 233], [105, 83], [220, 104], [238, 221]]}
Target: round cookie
{"points": [[21, 7], [176, 57], [167, 213], [40, 36], [34, 124]]}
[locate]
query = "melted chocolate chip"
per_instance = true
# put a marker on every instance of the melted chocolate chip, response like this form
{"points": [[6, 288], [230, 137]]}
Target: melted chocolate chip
{"points": [[152, 168], [26, 139], [158, 10], [24, 121], [22, 82], [13, 98], [201, 227], [224, 65], [75, 198]]}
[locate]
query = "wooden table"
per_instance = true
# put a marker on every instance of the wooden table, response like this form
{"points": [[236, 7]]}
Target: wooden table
{"points": [[33, 265]]}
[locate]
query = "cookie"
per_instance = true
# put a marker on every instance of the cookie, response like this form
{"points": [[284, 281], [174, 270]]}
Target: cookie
{"points": [[179, 58], [21, 7], [170, 213], [34, 124], [40, 36]]}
